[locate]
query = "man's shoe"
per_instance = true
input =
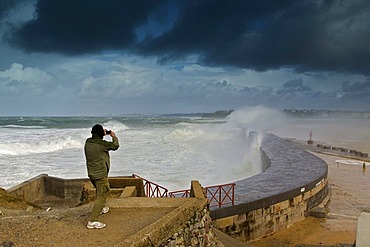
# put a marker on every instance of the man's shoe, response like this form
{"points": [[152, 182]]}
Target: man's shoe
{"points": [[104, 210], [95, 225]]}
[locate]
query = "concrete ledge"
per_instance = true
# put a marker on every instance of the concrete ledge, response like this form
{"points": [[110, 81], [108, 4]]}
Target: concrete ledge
{"points": [[363, 230], [30, 190], [157, 233], [43, 185]]}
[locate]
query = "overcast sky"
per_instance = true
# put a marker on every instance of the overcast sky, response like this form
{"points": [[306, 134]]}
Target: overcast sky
{"points": [[90, 57]]}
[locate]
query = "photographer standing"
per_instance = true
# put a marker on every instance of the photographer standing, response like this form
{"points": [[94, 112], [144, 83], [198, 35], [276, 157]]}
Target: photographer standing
{"points": [[98, 164]]}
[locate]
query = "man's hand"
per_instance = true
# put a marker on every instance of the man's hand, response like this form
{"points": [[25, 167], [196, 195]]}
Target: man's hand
{"points": [[112, 134]]}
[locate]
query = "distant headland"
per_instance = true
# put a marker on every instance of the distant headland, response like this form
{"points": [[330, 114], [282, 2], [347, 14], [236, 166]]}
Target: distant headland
{"points": [[327, 113], [301, 113]]}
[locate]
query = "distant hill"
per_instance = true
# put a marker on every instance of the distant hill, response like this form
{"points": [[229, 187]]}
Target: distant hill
{"points": [[327, 113], [218, 114]]}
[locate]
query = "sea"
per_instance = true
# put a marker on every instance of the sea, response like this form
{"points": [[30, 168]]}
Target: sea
{"points": [[169, 150]]}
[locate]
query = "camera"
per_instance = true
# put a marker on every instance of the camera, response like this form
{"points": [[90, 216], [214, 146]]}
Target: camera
{"points": [[107, 132]]}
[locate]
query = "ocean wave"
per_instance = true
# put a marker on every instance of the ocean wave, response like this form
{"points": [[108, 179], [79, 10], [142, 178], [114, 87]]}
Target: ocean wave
{"points": [[115, 126], [43, 146], [13, 126]]}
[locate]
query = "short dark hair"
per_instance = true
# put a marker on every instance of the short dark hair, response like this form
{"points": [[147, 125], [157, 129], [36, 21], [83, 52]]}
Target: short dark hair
{"points": [[98, 130]]}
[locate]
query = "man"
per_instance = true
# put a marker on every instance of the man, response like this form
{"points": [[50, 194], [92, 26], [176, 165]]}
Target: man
{"points": [[98, 164]]}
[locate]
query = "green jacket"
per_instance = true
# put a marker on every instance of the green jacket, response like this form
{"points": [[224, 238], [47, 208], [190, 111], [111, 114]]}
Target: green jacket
{"points": [[97, 156]]}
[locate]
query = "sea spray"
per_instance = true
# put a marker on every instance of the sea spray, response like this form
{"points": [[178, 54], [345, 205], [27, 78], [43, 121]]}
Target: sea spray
{"points": [[225, 145]]}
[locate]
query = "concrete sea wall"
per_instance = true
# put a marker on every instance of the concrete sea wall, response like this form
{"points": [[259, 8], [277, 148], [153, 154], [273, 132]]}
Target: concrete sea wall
{"points": [[294, 182], [43, 185]]}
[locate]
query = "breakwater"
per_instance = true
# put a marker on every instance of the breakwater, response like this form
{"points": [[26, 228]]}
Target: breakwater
{"points": [[293, 182]]}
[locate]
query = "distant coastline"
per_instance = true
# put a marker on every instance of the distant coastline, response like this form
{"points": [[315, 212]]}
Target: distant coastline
{"points": [[216, 114], [327, 114], [299, 113]]}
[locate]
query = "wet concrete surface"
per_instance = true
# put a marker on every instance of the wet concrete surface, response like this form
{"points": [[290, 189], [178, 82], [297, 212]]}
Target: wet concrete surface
{"points": [[350, 195]]}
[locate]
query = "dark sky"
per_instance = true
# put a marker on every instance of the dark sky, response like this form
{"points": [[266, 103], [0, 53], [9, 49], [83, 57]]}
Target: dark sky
{"points": [[311, 39], [260, 35]]}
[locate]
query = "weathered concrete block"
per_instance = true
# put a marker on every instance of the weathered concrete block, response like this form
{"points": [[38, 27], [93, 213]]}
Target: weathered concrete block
{"points": [[129, 191], [363, 230], [296, 200], [318, 212], [282, 205], [196, 190], [123, 182]]}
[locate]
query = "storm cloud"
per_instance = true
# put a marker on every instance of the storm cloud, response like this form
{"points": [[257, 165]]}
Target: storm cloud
{"points": [[263, 35], [307, 35], [6, 5], [75, 27]]}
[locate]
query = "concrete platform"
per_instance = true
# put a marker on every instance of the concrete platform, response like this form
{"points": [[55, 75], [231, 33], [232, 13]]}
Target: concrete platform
{"points": [[135, 222]]}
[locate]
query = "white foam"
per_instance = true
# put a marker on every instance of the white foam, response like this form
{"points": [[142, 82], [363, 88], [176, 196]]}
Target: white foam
{"points": [[115, 126], [22, 127], [352, 162]]}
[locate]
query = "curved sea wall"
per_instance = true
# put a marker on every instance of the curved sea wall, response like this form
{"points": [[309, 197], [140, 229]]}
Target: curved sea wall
{"points": [[293, 182]]}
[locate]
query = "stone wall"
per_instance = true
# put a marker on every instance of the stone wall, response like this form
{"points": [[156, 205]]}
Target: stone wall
{"points": [[294, 182], [197, 231], [264, 221]]}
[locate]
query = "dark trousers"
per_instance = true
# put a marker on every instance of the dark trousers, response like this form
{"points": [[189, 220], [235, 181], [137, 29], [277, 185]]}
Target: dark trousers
{"points": [[102, 191]]}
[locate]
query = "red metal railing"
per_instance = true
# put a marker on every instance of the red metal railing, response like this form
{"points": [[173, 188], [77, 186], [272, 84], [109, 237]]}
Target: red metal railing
{"points": [[220, 195], [217, 195], [153, 189], [179, 194]]}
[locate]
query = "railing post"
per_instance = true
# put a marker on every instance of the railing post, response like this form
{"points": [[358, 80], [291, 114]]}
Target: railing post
{"points": [[219, 197], [233, 197]]}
